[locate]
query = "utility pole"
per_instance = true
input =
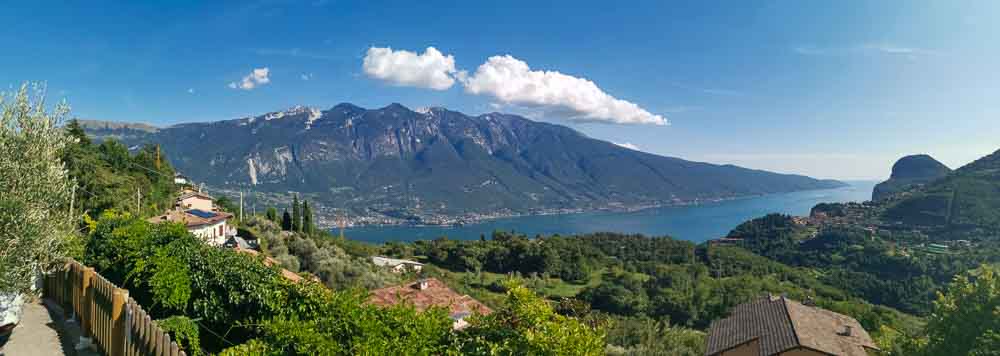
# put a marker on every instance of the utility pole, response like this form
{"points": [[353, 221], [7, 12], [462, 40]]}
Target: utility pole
{"points": [[138, 198], [72, 197], [241, 205]]}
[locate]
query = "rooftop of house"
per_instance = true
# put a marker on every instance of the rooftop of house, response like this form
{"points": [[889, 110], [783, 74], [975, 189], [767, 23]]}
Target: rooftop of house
{"points": [[194, 194], [191, 218], [268, 261], [392, 262], [780, 324], [426, 293]]}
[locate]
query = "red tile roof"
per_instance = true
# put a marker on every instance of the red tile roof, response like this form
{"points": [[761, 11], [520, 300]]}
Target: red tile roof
{"points": [[436, 294]]}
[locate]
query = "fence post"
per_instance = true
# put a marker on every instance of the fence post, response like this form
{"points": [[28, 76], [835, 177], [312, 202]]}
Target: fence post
{"points": [[118, 325], [86, 301]]}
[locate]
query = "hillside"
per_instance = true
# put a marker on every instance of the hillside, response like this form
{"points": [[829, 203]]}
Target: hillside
{"points": [[909, 172], [968, 198], [397, 161]]}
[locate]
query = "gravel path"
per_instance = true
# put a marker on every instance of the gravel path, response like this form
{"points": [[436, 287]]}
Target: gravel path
{"points": [[43, 331]]}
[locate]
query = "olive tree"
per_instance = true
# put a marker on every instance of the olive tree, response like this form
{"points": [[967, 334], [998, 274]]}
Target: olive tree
{"points": [[34, 187]]}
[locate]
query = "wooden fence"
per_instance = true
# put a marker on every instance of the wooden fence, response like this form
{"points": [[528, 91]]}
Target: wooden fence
{"points": [[115, 322]]}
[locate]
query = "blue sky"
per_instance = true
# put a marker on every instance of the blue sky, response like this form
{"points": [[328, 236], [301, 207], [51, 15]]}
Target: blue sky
{"points": [[834, 90]]}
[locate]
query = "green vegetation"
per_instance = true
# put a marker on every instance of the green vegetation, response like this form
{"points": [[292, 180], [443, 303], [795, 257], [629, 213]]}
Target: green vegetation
{"points": [[965, 320], [319, 255], [966, 201], [866, 264], [649, 292], [35, 190], [528, 325], [241, 305], [108, 176]]}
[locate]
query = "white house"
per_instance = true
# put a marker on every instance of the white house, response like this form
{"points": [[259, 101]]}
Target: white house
{"points": [[209, 225], [397, 265], [195, 200]]}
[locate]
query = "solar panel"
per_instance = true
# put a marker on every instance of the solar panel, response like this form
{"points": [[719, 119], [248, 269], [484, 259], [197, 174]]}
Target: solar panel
{"points": [[201, 213]]}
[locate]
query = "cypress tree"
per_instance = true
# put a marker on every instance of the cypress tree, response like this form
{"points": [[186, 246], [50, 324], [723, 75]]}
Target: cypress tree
{"points": [[296, 214], [272, 214], [307, 218], [286, 221]]}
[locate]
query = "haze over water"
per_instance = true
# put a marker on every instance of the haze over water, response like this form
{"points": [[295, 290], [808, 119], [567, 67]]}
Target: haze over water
{"points": [[694, 223]]}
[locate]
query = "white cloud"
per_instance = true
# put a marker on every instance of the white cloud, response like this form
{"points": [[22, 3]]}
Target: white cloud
{"points": [[431, 69], [511, 81], [256, 78], [306, 76], [190, 90], [628, 145]]}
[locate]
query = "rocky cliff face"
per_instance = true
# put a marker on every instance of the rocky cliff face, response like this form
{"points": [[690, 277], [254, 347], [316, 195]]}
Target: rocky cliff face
{"points": [[442, 161], [908, 172]]}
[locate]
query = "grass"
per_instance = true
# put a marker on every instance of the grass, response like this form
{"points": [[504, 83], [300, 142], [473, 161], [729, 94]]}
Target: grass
{"points": [[478, 287]]}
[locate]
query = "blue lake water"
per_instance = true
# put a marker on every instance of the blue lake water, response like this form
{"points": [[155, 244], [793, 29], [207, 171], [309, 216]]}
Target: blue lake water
{"points": [[694, 223]]}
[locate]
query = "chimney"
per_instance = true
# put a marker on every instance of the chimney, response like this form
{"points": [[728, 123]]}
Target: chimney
{"points": [[848, 330], [809, 302], [423, 284]]}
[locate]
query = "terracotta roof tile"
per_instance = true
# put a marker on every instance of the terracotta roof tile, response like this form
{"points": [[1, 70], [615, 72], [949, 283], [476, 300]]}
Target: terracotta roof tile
{"points": [[436, 294]]}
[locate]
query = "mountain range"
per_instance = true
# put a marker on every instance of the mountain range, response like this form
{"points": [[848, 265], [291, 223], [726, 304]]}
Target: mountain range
{"points": [[397, 161]]}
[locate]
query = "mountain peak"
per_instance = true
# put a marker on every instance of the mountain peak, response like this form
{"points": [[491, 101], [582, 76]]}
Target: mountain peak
{"points": [[396, 107], [918, 166], [908, 172]]}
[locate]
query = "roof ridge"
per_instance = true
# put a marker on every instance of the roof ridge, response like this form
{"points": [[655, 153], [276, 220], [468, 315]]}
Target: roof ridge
{"points": [[788, 314]]}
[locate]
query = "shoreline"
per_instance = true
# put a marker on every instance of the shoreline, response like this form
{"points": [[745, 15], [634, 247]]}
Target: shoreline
{"points": [[613, 208]]}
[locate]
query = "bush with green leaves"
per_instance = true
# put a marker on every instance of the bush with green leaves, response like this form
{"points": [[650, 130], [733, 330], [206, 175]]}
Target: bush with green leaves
{"points": [[528, 325], [966, 318], [242, 306], [184, 331]]}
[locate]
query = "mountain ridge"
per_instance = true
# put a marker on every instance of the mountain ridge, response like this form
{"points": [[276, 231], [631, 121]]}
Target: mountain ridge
{"points": [[404, 162], [966, 199]]}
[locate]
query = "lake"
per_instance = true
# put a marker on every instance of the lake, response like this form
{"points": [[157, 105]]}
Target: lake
{"points": [[695, 223]]}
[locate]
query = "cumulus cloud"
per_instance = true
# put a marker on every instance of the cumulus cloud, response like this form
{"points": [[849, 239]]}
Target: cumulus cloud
{"points": [[512, 81], [306, 76], [190, 90], [628, 145], [256, 78], [431, 69]]}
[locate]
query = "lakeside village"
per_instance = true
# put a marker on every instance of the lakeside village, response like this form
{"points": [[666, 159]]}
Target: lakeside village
{"points": [[339, 217], [771, 325], [905, 239]]}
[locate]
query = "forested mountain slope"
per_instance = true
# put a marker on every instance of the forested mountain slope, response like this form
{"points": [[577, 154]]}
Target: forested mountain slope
{"points": [[968, 198]]}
